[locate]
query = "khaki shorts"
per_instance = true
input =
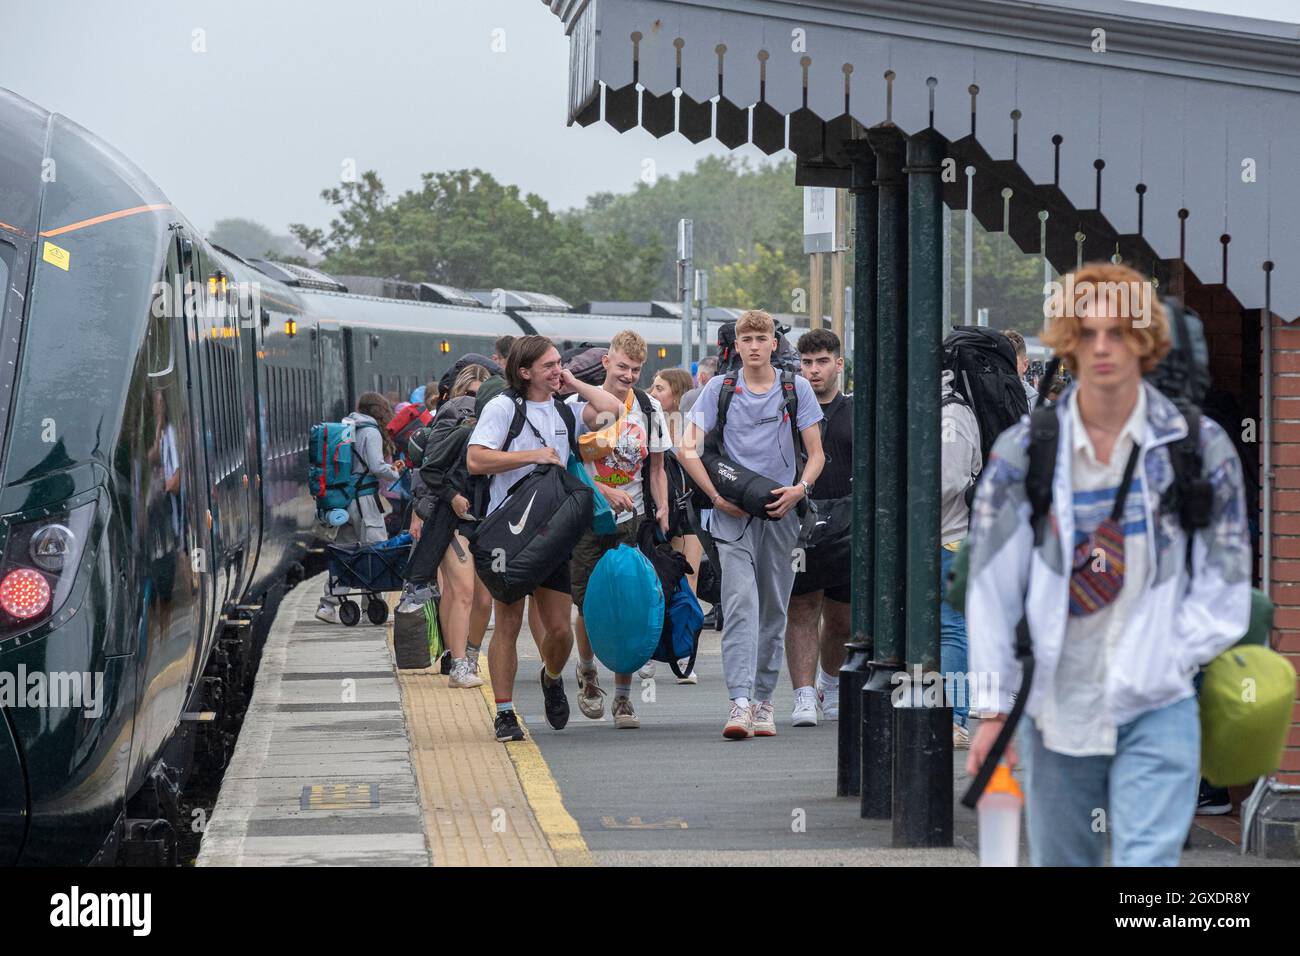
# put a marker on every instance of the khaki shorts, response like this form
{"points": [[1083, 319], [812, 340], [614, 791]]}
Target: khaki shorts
{"points": [[588, 551]]}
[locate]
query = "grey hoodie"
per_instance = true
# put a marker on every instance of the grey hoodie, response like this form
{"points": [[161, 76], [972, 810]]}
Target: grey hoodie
{"points": [[959, 435]]}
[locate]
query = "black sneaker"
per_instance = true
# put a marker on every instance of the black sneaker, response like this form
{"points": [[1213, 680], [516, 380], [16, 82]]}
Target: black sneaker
{"points": [[507, 726], [557, 705], [1213, 801]]}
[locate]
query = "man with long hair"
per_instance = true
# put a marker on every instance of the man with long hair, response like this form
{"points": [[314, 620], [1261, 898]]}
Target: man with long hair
{"points": [[533, 371], [1121, 612]]}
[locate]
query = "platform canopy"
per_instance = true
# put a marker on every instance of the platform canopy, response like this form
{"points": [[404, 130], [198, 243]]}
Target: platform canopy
{"points": [[1170, 134]]}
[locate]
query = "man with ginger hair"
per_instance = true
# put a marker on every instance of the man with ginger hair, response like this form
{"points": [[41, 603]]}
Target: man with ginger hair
{"points": [[1120, 613]]}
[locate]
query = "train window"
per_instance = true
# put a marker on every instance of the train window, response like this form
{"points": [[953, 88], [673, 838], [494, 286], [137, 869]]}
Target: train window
{"points": [[4, 275], [272, 412], [158, 343]]}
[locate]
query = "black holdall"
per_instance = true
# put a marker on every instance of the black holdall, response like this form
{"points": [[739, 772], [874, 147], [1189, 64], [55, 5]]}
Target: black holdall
{"points": [[831, 532], [533, 531]]}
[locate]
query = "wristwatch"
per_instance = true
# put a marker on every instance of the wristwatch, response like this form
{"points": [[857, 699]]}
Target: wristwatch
{"points": [[807, 488]]}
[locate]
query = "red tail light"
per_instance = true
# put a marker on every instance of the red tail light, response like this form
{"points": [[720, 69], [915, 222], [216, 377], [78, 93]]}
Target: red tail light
{"points": [[24, 593]]}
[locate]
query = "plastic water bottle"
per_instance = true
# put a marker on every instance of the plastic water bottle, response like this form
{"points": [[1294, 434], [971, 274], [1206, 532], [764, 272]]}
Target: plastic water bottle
{"points": [[999, 810], [337, 517]]}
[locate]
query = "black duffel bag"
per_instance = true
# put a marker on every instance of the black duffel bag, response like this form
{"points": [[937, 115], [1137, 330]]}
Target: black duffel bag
{"points": [[520, 545], [828, 553]]}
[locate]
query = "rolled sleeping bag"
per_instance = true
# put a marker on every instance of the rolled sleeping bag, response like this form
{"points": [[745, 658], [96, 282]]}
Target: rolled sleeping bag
{"points": [[747, 490]]}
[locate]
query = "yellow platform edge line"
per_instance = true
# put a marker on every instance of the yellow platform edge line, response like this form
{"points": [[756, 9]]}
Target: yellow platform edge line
{"points": [[542, 792]]}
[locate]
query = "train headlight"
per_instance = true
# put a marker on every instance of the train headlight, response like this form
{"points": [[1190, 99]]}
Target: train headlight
{"points": [[51, 546]]}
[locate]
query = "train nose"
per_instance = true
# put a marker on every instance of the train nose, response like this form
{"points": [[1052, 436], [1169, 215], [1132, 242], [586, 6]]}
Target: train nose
{"points": [[13, 796]]}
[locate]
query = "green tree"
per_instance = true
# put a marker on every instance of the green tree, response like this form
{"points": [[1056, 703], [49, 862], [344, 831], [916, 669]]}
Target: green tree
{"points": [[761, 279], [466, 229], [734, 205]]}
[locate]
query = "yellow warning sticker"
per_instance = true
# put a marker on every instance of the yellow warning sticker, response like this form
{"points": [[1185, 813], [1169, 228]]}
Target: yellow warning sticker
{"points": [[57, 256]]}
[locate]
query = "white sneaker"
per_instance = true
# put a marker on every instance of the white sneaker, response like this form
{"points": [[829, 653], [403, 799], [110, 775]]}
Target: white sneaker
{"points": [[691, 677], [761, 716], [807, 708], [830, 702], [960, 738], [329, 613], [463, 674], [647, 670], [739, 725]]}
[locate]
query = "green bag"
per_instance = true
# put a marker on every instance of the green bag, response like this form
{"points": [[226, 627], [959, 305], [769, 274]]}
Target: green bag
{"points": [[431, 629], [1247, 697]]}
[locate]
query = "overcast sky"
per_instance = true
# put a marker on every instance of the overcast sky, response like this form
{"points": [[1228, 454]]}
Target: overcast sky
{"points": [[288, 90]]}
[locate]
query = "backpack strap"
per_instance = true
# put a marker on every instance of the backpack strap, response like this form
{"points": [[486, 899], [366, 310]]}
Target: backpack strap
{"points": [[825, 424], [1191, 493], [570, 421], [367, 483], [791, 398], [1044, 435], [647, 412]]}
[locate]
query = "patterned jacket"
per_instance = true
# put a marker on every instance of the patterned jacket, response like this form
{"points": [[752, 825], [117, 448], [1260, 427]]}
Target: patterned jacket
{"points": [[1180, 623]]}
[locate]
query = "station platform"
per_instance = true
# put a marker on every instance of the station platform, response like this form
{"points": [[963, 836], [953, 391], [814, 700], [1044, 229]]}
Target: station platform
{"points": [[343, 760]]}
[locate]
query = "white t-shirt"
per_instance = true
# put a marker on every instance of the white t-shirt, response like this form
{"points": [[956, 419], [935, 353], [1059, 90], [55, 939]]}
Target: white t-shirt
{"points": [[624, 467], [493, 426]]}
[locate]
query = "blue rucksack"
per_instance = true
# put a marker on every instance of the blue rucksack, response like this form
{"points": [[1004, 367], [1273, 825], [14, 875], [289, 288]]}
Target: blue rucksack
{"points": [[329, 473], [624, 609], [683, 620]]}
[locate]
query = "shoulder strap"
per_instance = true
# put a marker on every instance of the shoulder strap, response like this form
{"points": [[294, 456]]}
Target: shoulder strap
{"points": [[1044, 435], [840, 401], [791, 396], [647, 412], [725, 395], [516, 423], [1193, 496], [570, 421]]}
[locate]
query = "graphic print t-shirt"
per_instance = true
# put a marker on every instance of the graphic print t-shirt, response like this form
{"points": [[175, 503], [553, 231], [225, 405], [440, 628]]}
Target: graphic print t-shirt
{"points": [[493, 426], [624, 467]]}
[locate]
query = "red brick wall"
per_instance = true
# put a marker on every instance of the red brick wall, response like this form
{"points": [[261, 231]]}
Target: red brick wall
{"points": [[1286, 515]]}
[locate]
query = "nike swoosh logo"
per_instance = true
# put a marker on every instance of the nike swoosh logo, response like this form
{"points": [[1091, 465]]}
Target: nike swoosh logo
{"points": [[516, 528]]}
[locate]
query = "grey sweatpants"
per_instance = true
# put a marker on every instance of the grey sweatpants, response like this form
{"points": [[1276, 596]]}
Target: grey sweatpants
{"points": [[757, 575]]}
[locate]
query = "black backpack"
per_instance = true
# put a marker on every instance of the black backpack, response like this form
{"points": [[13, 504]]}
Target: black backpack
{"points": [[785, 357], [983, 363]]}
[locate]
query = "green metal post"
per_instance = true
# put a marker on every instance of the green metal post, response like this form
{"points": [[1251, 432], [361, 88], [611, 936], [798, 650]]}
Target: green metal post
{"points": [[891, 416], [923, 735], [854, 672]]}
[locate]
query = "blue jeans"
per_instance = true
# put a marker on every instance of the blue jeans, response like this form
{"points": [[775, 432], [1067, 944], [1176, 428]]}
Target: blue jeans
{"points": [[1144, 795], [952, 649]]}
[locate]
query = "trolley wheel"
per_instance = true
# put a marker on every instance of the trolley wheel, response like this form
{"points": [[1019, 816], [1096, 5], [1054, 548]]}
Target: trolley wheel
{"points": [[377, 610], [349, 612]]}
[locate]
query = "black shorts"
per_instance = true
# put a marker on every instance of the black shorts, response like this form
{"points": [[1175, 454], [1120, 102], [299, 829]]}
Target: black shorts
{"points": [[559, 579], [806, 583]]}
